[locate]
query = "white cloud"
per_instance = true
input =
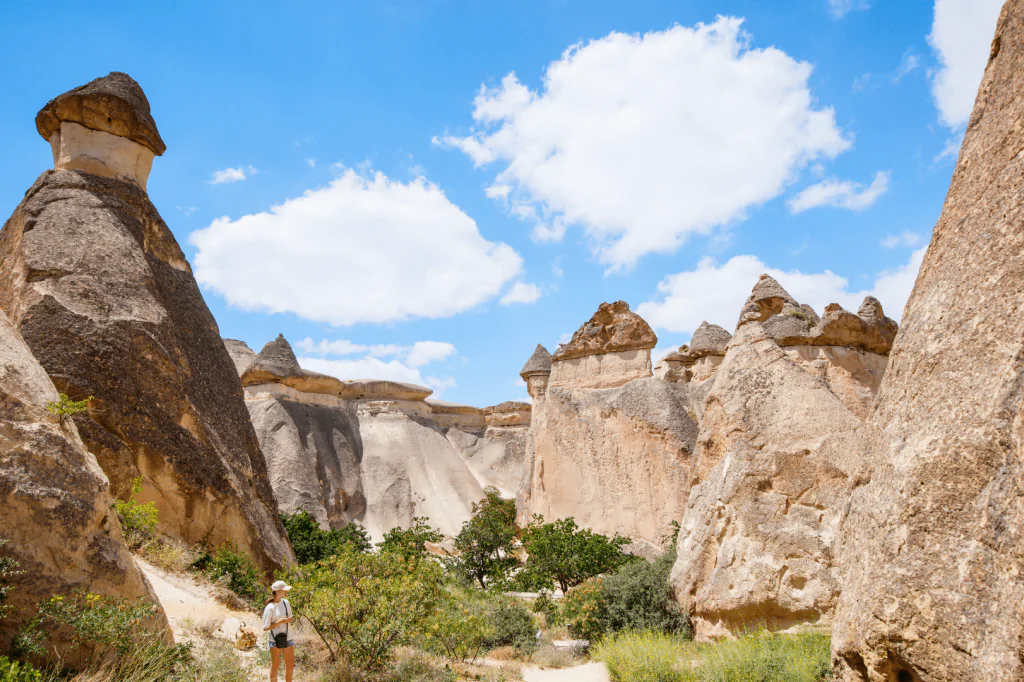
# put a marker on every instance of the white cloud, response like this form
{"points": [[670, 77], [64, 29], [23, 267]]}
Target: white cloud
{"points": [[361, 249], [951, 148], [962, 32], [425, 352], [860, 82], [840, 194], [521, 293], [910, 239], [418, 354], [224, 175], [908, 63], [694, 128], [311, 163], [716, 293], [840, 8], [374, 368]]}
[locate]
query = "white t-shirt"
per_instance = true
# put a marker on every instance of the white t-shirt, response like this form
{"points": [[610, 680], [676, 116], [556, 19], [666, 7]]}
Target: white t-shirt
{"points": [[274, 612]]}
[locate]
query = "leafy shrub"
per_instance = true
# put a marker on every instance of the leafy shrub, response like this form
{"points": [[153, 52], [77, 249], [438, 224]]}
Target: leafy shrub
{"points": [[550, 608], [639, 597], [311, 543], [585, 610], [64, 407], [461, 629], [513, 626], [233, 568], [138, 521], [486, 544], [647, 657], [564, 555], [97, 623], [364, 605], [9, 570], [410, 542], [15, 671]]}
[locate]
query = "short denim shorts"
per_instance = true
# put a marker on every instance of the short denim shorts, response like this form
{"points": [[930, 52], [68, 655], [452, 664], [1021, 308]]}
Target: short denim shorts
{"points": [[274, 646]]}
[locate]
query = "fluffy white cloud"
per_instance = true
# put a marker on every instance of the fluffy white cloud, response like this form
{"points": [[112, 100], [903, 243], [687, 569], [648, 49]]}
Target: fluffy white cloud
{"points": [[374, 368], [962, 32], [362, 249], [224, 175], [716, 292], [418, 354], [425, 352], [840, 194], [643, 140], [840, 8], [521, 293], [911, 239]]}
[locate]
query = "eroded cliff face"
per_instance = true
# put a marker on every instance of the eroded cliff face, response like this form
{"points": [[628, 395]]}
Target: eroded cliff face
{"points": [[610, 445], [376, 452], [933, 545], [96, 284], [56, 502], [774, 463]]}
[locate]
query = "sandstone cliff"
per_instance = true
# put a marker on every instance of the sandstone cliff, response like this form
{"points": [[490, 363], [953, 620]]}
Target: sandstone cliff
{"points": [[55, 499], [774, 459], [100, 291], [933, 545], [376, 452], [610, 444]]}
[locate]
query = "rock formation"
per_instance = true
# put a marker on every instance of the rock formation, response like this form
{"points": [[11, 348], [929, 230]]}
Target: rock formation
{"points": [[376, 452], [934, 542], [100, 291], [610, 444], [55, 499], [774, 460]]}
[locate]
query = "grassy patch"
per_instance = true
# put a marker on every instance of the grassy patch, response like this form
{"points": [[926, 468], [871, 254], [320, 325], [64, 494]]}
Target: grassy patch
{"points": [[759, 657]]}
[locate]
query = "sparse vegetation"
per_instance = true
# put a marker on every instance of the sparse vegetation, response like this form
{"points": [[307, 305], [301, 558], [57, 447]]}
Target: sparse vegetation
{"points": [[411, 542], [65, 408], [10, 569], [138, 521], [232, 568]]}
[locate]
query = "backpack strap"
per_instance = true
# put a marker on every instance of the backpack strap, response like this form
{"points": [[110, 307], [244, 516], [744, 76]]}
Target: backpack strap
{"points": [[288, 614]]}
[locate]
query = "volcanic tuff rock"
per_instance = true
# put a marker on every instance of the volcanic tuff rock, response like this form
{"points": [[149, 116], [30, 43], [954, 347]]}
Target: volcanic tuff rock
{"points": [[612, 348], [102, 294], [55, 499], [537, 371], [774, 463], [933, 545], [699, 359]]}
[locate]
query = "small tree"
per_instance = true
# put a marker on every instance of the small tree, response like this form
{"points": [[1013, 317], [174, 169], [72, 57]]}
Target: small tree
{"points": [[311, 543], [365, 605], [410, 542], [138, 521], [563, 554], [486, 544], [65, 408], [10, 569]]}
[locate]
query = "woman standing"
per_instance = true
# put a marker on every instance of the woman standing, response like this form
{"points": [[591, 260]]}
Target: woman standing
{"points": [[277, 618]]}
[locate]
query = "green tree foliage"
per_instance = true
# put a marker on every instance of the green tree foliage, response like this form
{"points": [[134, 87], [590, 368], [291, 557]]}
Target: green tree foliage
{"points": [[410, 542], [564, 555], [97, 623], [232, 567], [10, 569], [15, 671], [365, 605], [586, 610], [64, 407], [485, 547], [513, 626], [138, 521], [462, 628], [312, 544]]}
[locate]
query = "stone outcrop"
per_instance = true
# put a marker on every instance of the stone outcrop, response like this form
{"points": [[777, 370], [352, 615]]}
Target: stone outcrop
{"points": [[240, 354], [374, 451], [55, 499], [101, 292], [610, 445], [934, 542], [775, 459], [698, 360], [537, 371]]}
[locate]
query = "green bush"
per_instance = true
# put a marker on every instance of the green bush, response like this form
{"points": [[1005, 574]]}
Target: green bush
{"points": [[98, 624], [138, 521], [15, 671], [311, 543], [485, 547], [550, 608], [585, 610], [639, 597], [563, 555], [462, 628], [233, 568], [9, 570], [64, 407], [364, 605], [410, 542], [758, 657], [513, 626]]}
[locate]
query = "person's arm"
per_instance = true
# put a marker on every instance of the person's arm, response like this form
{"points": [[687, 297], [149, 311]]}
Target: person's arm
{"points": [[268, 613]]}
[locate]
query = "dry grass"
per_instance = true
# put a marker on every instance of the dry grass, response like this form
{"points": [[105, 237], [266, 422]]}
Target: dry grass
{"points": [[170, 554], [553, 657]]}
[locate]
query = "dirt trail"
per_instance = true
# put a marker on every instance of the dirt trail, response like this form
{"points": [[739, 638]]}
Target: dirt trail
{"points": [[591, 672]]}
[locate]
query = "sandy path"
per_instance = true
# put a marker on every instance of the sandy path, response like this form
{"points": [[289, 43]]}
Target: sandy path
{"points": [[591, 672]]}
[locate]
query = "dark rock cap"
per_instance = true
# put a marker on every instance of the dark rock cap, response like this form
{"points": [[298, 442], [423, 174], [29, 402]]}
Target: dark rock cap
{"points": [[539, 363], [766, 299], [277, 358], [709, 339], [509, 406], [113, 104], [612, 329]]}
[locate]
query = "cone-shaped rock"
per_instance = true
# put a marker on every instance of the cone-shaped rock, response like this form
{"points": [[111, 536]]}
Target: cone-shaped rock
{"points": [[101, 292], [934, 541], [539, 363]]}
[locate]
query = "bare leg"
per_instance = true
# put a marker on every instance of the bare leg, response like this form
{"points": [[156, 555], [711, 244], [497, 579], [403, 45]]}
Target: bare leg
{"points": [[289, 662], [275, 661]]}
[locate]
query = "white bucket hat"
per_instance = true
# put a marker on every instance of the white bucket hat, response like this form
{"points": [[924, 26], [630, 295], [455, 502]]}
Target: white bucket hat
{"points": [[280, 585]]}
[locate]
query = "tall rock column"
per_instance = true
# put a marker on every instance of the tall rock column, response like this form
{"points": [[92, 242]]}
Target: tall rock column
{"points": [[934, 542], [101, 292]]}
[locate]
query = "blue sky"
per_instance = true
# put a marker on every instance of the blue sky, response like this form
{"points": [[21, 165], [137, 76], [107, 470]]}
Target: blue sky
{"points": [[336, 173]]}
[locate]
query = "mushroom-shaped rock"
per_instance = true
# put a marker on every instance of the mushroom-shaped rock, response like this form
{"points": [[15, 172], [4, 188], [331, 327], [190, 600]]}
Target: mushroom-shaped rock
{"points": [[766, 299], [613, 328], [872, 332], [539, 363], [277, 364], [382, 389], [113, 104], [709, 339]]}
